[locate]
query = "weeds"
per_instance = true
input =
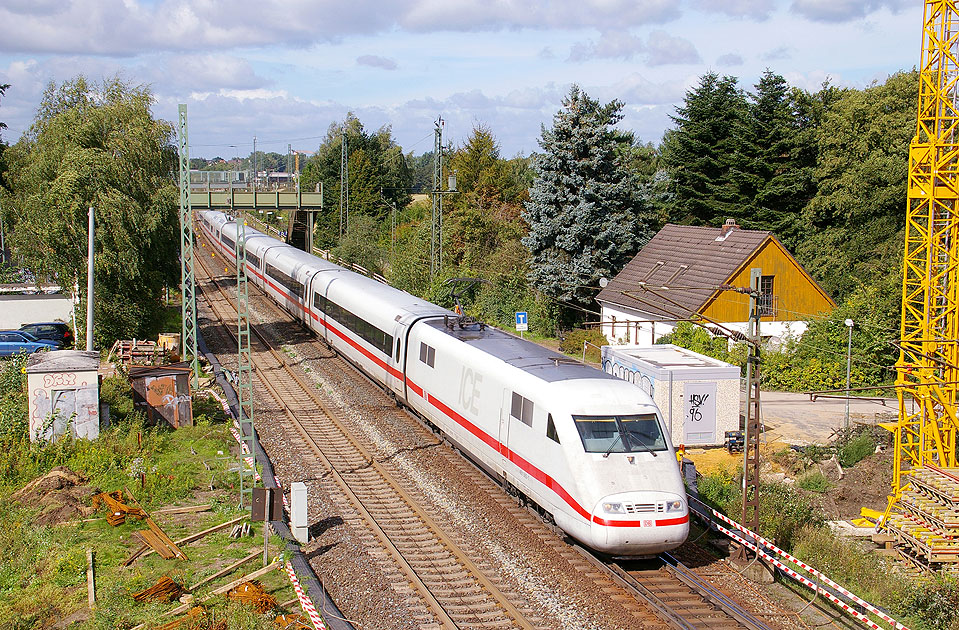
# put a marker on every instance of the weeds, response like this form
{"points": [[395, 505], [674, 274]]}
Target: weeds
{"points": [[814, 481]]}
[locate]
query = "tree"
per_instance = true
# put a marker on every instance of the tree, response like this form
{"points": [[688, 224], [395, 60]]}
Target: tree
{"points": [[852, 233], [585, 222], [97, 145], [378, 175], [700, 153]]}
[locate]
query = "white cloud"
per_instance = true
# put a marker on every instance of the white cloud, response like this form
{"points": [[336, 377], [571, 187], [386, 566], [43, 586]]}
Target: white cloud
{"points": [[844, 10], [375, 61], [729, 60], [756, 9], [128, 27], [664, 49], [660, 48]]}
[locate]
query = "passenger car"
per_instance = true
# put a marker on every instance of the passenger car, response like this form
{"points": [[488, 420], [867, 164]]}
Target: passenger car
{"points": [[52, 331], [590, 450], [17, 341]]}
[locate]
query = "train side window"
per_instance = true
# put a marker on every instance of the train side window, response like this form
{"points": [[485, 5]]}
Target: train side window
{"points": [[398, 350], [427, 354], [522, 409], [551, 429]]}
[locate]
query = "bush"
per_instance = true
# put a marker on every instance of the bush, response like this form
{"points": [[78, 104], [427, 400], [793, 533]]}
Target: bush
{"points": [[13, 398], [116, 392], [814, 481], [934, 600], [695, 338], [572, 344], [717, 491], [857, 449]]}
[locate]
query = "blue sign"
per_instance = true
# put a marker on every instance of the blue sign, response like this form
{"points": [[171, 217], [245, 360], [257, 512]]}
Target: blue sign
{"points": [[522, 321]]}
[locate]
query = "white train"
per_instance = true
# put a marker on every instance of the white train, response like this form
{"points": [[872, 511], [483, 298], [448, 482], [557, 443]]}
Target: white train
{"points": [[588, 448]]}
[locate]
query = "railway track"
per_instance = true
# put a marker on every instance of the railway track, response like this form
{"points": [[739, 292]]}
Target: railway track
{"points": [[455, 590], [452, 587]]}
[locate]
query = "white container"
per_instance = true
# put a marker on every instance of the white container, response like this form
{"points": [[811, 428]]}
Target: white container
{"points": [[697, 395]]}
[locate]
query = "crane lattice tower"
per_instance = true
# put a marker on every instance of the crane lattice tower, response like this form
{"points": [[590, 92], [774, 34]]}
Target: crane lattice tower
{"points": [[928, 366]]}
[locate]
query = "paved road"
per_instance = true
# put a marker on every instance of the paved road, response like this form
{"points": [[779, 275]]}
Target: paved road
{"points": [[793, 419]]}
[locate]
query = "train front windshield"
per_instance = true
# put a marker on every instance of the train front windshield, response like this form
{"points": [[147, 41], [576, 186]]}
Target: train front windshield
{"points": [[621, 434]]}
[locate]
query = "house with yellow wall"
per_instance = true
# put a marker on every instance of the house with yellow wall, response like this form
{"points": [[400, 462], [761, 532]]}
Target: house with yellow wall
{"points": [[690, 273]]}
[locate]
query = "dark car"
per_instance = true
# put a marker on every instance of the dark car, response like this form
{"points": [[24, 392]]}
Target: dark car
{"points": [[17, 341], [52, 331]]}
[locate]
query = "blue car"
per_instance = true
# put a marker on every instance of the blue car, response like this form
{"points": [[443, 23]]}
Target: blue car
{"points": [[17, 341]]}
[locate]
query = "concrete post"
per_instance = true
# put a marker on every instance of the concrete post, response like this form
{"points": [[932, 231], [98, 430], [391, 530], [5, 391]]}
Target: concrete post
{"points": [[299, 524]]}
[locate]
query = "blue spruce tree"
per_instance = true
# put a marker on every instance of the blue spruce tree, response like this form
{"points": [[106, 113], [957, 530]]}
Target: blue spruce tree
{"points": [[585, 214]]}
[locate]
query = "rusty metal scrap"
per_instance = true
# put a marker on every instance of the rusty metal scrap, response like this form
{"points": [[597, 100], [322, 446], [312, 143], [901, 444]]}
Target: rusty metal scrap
{"points": [[198, 618], [292, 622], [119, 510], [252, 594], [165, 590]]}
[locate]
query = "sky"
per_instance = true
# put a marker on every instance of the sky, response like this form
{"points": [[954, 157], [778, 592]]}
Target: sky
{"points": [[284, 71]]}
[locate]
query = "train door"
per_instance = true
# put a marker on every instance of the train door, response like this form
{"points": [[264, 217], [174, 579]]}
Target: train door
{"points": [[394, 370], [504, 421]]}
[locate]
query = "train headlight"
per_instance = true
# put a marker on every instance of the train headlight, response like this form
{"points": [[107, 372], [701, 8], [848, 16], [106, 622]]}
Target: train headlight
{"points": [[613, 508], [676, 505]]}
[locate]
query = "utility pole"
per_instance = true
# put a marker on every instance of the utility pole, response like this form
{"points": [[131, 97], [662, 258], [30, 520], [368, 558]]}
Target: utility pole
{"points": [[256, 173], [750, 518], [344, 186], [188, 339], [90, 282], [289, 164], [436, 215]]}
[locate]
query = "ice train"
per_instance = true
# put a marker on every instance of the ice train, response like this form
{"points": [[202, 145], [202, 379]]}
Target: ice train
{"points": [[588, 448]]}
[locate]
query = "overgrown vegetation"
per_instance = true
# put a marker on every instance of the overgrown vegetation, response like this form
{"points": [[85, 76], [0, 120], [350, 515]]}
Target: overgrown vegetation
{"points": [[43, 566]]}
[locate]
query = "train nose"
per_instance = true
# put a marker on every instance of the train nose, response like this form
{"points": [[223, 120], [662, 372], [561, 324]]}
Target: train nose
{"points": [[639, 524]]}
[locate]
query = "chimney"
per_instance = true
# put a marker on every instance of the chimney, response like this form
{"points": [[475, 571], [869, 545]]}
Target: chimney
{"points": [[727, 229]]}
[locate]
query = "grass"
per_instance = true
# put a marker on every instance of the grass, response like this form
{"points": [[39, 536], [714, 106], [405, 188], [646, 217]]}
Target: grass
{"points": [[43, 568]]}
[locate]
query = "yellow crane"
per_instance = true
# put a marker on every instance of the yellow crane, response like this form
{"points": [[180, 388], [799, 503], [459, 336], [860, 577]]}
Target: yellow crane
{"points": [[928, 366]]}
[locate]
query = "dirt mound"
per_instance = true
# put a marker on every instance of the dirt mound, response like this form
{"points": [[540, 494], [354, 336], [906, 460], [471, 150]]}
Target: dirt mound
{"points": [[867, 484], [61, 493]]}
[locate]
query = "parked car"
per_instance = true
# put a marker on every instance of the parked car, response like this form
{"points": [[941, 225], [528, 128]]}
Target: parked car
{"points": [[17, 341], [53, 331]]}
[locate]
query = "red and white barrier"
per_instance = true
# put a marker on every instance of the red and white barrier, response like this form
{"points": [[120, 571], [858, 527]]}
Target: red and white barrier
{"points": [[305, 602], [846, 606]]}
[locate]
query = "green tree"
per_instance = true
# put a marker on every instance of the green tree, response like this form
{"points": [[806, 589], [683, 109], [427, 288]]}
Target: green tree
{"points": [[776, 158], [378, 175], [703, 153], [852, 233], [585, 222], [97, 145]]}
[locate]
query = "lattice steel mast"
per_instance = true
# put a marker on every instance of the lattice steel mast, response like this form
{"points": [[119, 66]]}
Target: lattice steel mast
{"points": [[436, 214], [244, 364], [188, 340], [928, 366]]}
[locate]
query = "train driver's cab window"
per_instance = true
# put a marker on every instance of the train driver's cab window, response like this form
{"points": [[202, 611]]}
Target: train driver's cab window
{"points": [[551, 429], [640, 433], [427, 354], [522, 409]]}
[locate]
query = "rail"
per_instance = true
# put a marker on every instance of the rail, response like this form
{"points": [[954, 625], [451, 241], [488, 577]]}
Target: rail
{"points": [[796, 569]]}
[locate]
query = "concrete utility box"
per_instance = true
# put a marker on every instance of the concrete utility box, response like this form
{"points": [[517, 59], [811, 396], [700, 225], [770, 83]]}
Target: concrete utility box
{"points": [[697, 395], [164, 391], [64, 394]]}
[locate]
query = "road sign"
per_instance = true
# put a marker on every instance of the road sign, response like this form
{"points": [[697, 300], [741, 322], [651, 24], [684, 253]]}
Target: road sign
{"points": [[522, 321]]}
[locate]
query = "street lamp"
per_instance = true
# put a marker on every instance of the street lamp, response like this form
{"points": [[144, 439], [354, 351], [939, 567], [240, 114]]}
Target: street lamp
{"points": [[849, 324]]}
